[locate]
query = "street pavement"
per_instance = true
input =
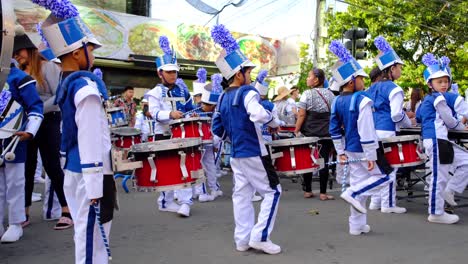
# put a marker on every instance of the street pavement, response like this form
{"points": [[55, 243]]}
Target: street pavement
{"points": [[142, 234]]}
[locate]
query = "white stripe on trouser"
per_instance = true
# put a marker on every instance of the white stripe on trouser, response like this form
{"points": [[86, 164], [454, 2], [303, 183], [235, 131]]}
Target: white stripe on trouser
{"points": [[86, 247], [209, 166], [363, 183], [12, 192], [184, 196], [250, 174], [438, 181], [459, 181], [51, 208]]}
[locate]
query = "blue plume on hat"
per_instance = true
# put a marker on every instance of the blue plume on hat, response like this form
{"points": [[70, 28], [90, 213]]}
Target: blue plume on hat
{"points": [[340, 51], [165, 45], [429, 59], [63, 9], [216, 80], [444, 61], [98, 73], [261, 76], [180, 82], [223, 37], [201, 75], [382, 44]]}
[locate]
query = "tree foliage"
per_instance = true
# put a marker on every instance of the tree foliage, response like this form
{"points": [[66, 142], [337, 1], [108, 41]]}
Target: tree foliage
{"points": [[413, 28]]}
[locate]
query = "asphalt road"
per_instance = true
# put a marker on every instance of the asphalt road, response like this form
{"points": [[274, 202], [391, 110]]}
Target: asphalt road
{"points": [[142, 234]]}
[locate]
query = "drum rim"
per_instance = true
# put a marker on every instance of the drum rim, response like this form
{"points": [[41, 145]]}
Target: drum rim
{"points": [[129, 131], [296, 141], [114, 109], [293, 173], [189, 119], [402, 138], [166, 144], [408, 164]]}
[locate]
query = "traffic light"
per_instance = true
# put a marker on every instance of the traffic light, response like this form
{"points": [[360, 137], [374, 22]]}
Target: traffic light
{"points": [[356, 40]]}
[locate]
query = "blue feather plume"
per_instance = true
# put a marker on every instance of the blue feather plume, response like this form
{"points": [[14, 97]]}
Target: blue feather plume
{"points": [[63, 9], [223, 37], [262, 75], [216, 80], [444, 61], [201, 75], [165, 45], [429, 59], [180, 82], [340, 51], [382, 44], [98, 73]]}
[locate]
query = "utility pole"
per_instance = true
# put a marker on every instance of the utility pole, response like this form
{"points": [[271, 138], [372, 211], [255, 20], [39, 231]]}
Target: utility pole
{"points": [[316, 33]]}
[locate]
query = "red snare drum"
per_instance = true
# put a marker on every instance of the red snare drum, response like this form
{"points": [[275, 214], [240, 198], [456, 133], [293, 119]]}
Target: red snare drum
{"points": [[403, 151], [296, 155], [168, 164], [287, 128], [125, 137], [150, 138], [192, 127]]}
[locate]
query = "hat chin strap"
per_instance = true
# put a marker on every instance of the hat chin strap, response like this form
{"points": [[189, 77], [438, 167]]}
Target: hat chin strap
{"points": [[164, 80], [88, 64], [354, 83]]}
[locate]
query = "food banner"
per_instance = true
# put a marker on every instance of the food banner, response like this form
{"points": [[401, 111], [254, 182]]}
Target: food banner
{"points": [[124, 34]]}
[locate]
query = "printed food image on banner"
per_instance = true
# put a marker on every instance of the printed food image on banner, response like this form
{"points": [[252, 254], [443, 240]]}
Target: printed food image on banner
{"points": [[260, 51], [107, 29], [143, 39], [195, 43]]}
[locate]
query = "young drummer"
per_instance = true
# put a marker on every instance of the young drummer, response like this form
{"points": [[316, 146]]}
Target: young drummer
{"points": [[209, 99], [389, 116], [437, 116], [199, 86], [236, 118], [352, 112], [163, 110], [89, 184]]}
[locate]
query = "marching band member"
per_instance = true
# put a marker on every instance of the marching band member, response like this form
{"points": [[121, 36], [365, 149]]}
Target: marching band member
{"points": [[437, 116], [89, 184], [389, 116], [144, 122], [199, 86], [236, 118], [163, 111], [352, 112], [209, 99]]}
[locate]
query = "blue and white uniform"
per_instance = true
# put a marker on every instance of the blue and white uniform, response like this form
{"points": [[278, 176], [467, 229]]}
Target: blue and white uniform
{"points": [[88, 174], [353, 114], [160, 110], [146, 125], [23, 90], [389, 117], [270, 107], [238, 113]]}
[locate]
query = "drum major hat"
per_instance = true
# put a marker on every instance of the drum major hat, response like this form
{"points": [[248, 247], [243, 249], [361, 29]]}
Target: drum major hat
{"points": [[212, 91], [347, 68], [436, 68], [387, 56], [199, 84], [167, 61], [231, 60]]}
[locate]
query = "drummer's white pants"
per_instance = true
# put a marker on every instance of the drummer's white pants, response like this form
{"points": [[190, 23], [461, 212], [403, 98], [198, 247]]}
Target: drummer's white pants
{"points": [[184, 196], [363, 183], [249, 174], [89, 245], [459, 181], [387, 196], [12, 192], [209, 166]]}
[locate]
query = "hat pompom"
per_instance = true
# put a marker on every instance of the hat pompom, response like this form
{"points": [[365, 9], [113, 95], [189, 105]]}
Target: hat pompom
{"points": [[201, 75], [98, 73], [60, 8], [340, 51], [444, 61], [216, 80], [165, 45], [262, 75], [382, 44], [180, 82], [429, 59], [223, 37], [19, 30]]}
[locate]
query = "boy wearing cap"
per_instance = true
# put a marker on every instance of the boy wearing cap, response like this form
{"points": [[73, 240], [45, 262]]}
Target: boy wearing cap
{"points": [[168, 101], [352, 112], [437, 114], [389, 116], [236, 118], [89, 184]]}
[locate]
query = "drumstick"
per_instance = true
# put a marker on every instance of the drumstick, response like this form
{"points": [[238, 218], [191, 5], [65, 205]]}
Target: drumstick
{"points": [[101, 228]]}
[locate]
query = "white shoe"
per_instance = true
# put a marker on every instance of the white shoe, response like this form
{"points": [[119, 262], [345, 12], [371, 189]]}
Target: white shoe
{"points": [[374, 206], [256, 198], [364, 229], [36, 197], [443, 218], [217, 193], [353, 202], [449, 197], [13, 234], [39, 180], [223, 172], [395, 210], [184, 210], [242, 248], [172, 207], [205, 198], [267, 247]]}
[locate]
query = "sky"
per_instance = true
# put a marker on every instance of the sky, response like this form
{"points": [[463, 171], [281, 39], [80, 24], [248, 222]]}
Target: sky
{"points": [[269, 18]]}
